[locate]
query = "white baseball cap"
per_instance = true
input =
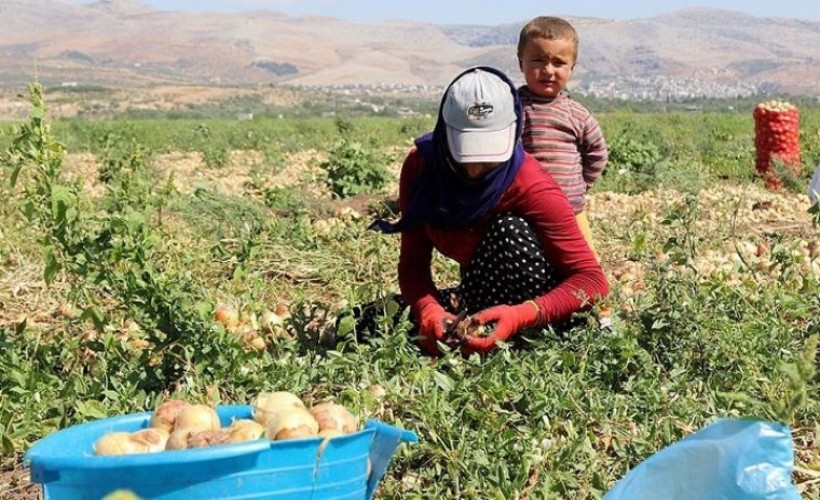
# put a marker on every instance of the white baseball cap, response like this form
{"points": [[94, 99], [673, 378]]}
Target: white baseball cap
{"points": [[479, 111]]}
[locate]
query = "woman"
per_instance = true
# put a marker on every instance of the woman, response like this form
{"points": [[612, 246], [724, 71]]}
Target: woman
{"points": [[469, 191]]}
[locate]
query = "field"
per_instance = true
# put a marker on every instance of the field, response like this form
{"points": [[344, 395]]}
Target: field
{"points": [[115, 256]]}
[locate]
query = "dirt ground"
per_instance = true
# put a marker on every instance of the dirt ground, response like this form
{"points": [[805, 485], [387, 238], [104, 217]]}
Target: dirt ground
{"points": [[15, 483]]}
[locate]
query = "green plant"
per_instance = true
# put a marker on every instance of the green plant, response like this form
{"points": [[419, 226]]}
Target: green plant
{"points": [[633, 155], [213, 154], [786, 395], [799, 376], [113, 252], [814, 211], [353, 169], [51, 206]]}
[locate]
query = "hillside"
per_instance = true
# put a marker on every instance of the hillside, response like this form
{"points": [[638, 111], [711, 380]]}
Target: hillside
{"points": [[125, 43]]}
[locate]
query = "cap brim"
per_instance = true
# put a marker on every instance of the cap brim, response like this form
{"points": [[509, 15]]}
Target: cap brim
{"points": [[481, 146]]}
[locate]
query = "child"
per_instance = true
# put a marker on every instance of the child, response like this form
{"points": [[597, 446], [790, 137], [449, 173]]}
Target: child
{"points": [[561, 133]]}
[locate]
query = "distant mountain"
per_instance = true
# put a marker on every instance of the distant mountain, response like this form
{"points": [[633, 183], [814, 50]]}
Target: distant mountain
{"points": [[126, 43]]}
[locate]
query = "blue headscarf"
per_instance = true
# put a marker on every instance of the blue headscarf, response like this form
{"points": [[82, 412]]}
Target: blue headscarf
{"points": [[441, 195]]}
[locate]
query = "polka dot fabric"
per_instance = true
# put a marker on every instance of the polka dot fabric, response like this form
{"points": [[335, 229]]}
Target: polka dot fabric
{"points": [[508, 267]]}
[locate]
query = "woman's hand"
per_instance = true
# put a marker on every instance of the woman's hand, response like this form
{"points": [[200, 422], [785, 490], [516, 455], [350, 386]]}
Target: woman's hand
{"points": [[508, 321], [433, 321]]}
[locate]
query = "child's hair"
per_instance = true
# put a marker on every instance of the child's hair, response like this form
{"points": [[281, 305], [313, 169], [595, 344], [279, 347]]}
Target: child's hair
{"points": [[551, 28]]}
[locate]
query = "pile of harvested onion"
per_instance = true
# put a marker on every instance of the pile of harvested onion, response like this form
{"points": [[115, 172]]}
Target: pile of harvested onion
{"points": [[178, 425]]}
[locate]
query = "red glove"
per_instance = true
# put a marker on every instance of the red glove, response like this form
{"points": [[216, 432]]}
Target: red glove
{"points": [[432, 323], [508, 321]]}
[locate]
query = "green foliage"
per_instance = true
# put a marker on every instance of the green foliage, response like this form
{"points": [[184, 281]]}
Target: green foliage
{"points": [[555, 416], [814, 210], [799, 376], [112, 252], [285, 200], [223, 216], [631, 154], [213, 154], [50, 206], [353, 168]]}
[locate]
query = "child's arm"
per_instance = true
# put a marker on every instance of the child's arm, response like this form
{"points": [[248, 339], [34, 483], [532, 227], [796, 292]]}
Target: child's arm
{"points": [[594, 153]]}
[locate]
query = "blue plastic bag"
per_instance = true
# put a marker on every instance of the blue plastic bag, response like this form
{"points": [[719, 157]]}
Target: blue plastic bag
{"points": [[728, 460], [814, 186]]}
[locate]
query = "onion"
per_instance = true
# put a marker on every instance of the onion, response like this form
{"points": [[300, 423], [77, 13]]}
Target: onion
{"points": [[330, 433], [258, 344], [814, 249], [178, 440], [117, 443], [121, 495], [267, 404], [227, 317], [203, 439], [245, 430], [270, 320], [153, 439], [331, 416], [67, 311], [124, 443], [282, 311], [292, 423], [197, 418], [377, 391], [166, 414]]}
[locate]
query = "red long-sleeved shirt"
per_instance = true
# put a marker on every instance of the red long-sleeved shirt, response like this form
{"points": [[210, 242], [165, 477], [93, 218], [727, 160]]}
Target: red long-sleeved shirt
{"points": [[535, 197], [564, 136]]}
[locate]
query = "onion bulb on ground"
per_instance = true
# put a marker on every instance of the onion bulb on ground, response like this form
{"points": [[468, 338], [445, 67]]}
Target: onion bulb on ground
{"points": [[166, 414], [270, 320], [267, 404], [227, 316], [67, 311], [258, 344], [292, 423], [274, 321], [282, 311], [331, 416], [377, 391], [198, 418]]}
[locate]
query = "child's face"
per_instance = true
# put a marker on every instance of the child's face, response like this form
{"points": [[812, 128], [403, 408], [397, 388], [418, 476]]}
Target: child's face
{"points": [[547, 65]]}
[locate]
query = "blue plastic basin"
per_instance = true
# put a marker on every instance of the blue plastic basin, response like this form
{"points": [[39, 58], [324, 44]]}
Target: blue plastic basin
{"points": [[65, 464]]}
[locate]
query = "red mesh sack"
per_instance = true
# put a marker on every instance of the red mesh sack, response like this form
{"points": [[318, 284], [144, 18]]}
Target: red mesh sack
{"points": [[777, 135]]}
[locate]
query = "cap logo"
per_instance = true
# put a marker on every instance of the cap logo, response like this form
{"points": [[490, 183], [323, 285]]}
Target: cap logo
{"points": [[479, 111]]}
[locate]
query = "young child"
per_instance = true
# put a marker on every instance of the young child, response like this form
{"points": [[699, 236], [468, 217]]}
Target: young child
{"points": [[561, 133]]}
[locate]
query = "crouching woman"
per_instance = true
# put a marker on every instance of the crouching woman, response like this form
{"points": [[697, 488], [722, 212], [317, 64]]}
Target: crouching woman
{"points": [[469, 191]]}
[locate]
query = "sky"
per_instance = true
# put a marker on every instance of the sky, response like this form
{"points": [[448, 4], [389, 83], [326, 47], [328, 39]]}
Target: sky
{"points": [[490, 12]]}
